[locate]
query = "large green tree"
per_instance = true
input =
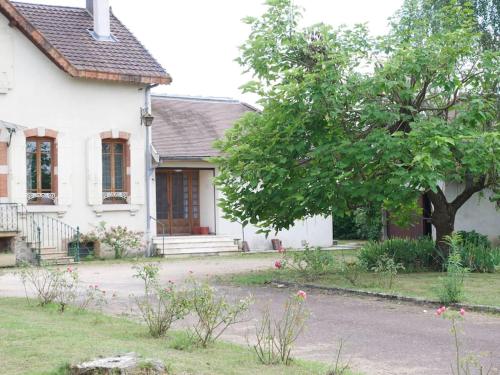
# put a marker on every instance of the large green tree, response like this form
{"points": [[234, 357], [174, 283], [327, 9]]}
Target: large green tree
{"points": [[350, 119]]}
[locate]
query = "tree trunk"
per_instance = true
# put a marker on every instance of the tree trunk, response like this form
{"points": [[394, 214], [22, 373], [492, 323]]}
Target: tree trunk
{"points": [[443, 219]]}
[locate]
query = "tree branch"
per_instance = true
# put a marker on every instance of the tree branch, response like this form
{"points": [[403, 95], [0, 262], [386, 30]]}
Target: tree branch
{"points": [[469, 190]]}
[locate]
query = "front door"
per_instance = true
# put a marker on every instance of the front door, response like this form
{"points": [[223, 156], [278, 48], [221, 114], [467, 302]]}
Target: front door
{"points": [[177, 201]]}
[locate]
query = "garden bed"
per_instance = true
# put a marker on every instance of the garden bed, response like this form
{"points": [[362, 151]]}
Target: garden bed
{"points": [[44, 341]]}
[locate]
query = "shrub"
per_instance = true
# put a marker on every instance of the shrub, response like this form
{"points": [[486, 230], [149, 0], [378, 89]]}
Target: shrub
{"points": [[53, 285], [387, 270], [364, 223], [161, 305], [43, 282], [310, 263], [480, 258], [275, 338], [474, 238], [119, 238], [414, 255], [214, 312], [451, 289], [351, 270]]}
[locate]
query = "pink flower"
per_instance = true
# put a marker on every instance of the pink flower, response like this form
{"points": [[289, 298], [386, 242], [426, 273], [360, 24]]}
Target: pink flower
{"points": [[278, 264], [69, 269], [302, 294], [440, 311], [281, 249], [462, 312]]}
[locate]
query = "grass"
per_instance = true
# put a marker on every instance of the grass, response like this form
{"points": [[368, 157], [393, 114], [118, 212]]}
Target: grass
{"points": [[37, 340], [480, 288]]}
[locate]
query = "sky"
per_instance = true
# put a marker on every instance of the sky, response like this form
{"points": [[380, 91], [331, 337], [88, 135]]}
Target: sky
{"points": [[197, 41]]}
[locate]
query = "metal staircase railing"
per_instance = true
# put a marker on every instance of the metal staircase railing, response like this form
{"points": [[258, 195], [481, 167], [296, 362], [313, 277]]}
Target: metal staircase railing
{"points": [[40, 231]]}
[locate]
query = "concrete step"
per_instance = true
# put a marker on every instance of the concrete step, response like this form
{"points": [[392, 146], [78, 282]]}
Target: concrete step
{"points": [[58, 261], [192, 239], [195, 245], [192, 251], [55, 255]]}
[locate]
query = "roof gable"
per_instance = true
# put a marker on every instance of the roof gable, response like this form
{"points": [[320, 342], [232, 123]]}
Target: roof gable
{"points": [[62, 34]]}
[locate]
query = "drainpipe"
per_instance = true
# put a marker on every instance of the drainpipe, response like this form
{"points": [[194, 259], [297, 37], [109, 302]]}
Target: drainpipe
{"points": [[149, 170]]}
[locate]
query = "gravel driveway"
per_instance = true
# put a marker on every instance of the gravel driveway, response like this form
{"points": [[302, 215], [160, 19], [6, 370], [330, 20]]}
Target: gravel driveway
{"points": [[381, 337]]}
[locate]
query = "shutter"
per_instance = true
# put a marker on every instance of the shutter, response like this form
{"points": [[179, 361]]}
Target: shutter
{"points": [[94, 170], [17, 168], [64, 169], [137, 171]]}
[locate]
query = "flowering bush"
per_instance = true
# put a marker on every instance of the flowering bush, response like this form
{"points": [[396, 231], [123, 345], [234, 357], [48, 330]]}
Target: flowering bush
{"points": [[310, 263], [214, 312], [161, 305], [275, 338], [60, 286], [119, 238]]}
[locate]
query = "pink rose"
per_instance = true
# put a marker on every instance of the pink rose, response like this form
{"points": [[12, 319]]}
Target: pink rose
{"points": [[462, 312], [440, 311], [302, 294], [278, 264]]}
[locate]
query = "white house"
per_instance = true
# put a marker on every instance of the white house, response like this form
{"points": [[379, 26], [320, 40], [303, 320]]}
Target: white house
{"points": [[73, 82], [74, 145], [184, 131]]}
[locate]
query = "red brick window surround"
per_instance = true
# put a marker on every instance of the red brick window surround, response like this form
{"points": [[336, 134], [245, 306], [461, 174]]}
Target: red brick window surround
{"points": [[115, 170]]}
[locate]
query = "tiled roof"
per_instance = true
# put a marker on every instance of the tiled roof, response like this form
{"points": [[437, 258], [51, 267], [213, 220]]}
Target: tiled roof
{"points": [[62, 33], [186, 127]]}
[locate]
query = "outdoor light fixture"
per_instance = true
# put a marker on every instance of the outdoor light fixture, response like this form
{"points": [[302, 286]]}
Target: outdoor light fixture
{"points": [[146, 118]]}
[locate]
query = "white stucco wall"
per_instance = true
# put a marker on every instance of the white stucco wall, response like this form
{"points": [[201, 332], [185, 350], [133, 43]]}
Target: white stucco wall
{"points": [[43, 96], [316, 231], [478, 213]]}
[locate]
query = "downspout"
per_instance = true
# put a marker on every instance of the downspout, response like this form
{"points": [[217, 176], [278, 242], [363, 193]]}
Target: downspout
{"points": [[149, 171]]}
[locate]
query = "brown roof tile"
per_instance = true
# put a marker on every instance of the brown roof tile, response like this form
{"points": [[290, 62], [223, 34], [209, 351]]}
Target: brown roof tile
{"points": [[186, 127], [62, 33]]}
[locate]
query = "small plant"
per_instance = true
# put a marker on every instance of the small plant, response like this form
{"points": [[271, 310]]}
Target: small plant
{"points": [[214, 312], [119, 238], [93, 296], [452, 285], [387, 270], [339, 368], [161, 305], [352, 270], [310, 263], [275, 338], [463, 364], [182, 341], [66, 287]]}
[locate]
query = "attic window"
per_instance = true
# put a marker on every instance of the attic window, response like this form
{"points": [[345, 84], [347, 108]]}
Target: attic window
{"points": [[110, 38]]}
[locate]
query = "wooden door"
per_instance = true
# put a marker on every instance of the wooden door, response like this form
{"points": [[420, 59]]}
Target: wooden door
{"points": [[177, 201]]}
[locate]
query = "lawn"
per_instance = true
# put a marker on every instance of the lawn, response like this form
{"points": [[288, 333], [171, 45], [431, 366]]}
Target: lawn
{"points": [[480, 288], [37, 340]]}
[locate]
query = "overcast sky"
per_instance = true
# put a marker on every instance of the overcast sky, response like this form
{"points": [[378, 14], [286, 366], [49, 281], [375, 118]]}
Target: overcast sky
{"points": [[197, 41]]}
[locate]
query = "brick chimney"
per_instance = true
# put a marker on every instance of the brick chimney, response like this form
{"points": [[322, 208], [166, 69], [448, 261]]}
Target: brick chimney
{"points": [[99, 9]]}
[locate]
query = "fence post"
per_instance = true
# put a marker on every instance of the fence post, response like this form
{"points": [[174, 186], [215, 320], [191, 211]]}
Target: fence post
{"points": [[39, 246], [77, 255]]}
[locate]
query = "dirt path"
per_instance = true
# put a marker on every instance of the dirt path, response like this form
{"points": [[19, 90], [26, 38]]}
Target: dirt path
{"points": [[381, 337]]}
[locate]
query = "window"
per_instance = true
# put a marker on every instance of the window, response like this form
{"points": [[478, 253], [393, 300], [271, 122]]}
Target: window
{"points": [[114, 171], [40, 171]]}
